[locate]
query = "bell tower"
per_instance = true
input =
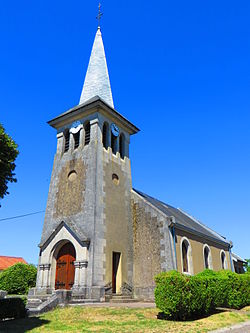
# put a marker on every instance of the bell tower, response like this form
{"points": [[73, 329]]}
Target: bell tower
{"points": [[87, 239]]}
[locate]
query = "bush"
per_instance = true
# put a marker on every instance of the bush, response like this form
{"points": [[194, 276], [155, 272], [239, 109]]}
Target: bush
{"points": [[12, 308], [182, 297], [216, 285], [232, 290], [18, 278], [238, 289]]}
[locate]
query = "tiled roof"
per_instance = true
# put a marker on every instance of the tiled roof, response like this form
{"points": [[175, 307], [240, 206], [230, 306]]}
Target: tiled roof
{"points": [[97, 77], [184, 220], [6, 262]]}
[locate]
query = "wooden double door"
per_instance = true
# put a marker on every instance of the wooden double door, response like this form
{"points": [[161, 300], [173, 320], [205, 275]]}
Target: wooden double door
{"points": [[65, 269]]}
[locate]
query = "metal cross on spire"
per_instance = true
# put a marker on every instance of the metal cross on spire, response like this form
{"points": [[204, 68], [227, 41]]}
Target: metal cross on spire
{"points": [[99, 15]]}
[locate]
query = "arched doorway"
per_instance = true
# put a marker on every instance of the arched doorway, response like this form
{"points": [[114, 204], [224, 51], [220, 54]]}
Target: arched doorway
{"points": [[65, 269]]}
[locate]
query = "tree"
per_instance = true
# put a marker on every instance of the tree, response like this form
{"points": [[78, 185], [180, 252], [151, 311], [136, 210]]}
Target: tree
{"points": [[17, 279], [8, 155], [247, 265]]}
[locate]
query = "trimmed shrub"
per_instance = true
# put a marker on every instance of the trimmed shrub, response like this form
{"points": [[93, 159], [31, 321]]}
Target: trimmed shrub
{"points": [[182, 297], [216, 285], [18, 278], [238, 289], [12, 308], [231, 290], [208, 273]]}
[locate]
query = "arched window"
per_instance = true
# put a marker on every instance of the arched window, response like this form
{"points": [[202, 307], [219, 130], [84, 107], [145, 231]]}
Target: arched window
{"points": [[185, 257], [66, 140], [223, 260], [105, 135], [76, 139], [113, 143], [122, 146], [207, 257], [87, 133]]}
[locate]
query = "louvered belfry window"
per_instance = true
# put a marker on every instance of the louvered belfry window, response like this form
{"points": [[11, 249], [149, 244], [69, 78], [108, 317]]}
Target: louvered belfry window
{"points": [[113, 143], [121, 146], [105, 135], [66, 141], [87, 133], [76, 140]]}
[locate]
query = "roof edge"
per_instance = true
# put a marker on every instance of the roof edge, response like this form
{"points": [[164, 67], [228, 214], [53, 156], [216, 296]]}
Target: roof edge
{"points": [[190, 230], [62, 224], [182, 227], [92, 103]]}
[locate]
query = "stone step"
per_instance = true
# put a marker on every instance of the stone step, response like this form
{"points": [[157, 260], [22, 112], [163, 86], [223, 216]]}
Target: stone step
{"points": [[78, 296], [120, 296], [123, 300], [79, 301], [44, 306], [36, 300], [33, 303], [41, 297]]}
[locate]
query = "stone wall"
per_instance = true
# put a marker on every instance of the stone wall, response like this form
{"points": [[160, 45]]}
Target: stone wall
{"points": [[153, 248], [197, 246], [75, 197], [118, 217], [71, 187]]}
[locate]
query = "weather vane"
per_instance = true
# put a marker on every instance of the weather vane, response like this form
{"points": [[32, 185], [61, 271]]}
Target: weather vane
{"points": [[99, 15]]}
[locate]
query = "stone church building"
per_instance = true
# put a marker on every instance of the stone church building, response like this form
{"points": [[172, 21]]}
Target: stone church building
{"points": [[100, 236]]}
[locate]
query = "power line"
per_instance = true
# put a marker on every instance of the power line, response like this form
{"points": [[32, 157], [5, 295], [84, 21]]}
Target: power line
{"points": [[18, 216]]}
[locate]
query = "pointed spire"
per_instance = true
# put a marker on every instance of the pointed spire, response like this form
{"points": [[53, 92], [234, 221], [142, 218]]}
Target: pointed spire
{"points": [[97, 78]]}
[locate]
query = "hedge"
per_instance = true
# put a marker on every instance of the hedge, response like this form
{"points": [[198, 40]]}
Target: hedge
{"points": [[18, 278], [182, 297], [12, 308], [232, 290]]}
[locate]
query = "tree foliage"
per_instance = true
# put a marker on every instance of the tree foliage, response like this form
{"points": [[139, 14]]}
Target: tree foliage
{"points": [[8, 155], [247, 265], [18, 278]]}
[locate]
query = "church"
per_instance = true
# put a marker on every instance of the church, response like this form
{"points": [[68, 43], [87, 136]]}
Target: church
{"points": [[101, 237]]}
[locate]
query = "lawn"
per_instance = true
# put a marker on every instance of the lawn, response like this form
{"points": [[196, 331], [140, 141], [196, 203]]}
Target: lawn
{"points": [[92, 319]]}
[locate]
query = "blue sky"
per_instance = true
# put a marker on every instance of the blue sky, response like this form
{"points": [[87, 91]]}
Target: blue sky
{"points": [[179, 70]]}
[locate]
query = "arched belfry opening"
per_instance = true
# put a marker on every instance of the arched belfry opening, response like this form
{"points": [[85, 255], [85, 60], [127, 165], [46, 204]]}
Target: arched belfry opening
{"points": [[66, 140], [122, 145], [105, 130], [113, 143], [87, 133], [65, 268]]}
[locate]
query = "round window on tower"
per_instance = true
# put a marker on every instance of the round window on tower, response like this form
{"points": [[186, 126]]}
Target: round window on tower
{"points": [[72, 176], [115, 179]]}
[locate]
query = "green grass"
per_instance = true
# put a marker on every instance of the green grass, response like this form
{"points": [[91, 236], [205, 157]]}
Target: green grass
{"points": [[90, 319]]}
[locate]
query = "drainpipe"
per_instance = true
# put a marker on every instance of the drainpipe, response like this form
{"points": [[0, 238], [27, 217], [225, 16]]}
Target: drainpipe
{"points": [[172, 226], [230, 255]]}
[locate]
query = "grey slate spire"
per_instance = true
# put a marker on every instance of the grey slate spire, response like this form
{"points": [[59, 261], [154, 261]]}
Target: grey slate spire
{"points": [[97, 78]]}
